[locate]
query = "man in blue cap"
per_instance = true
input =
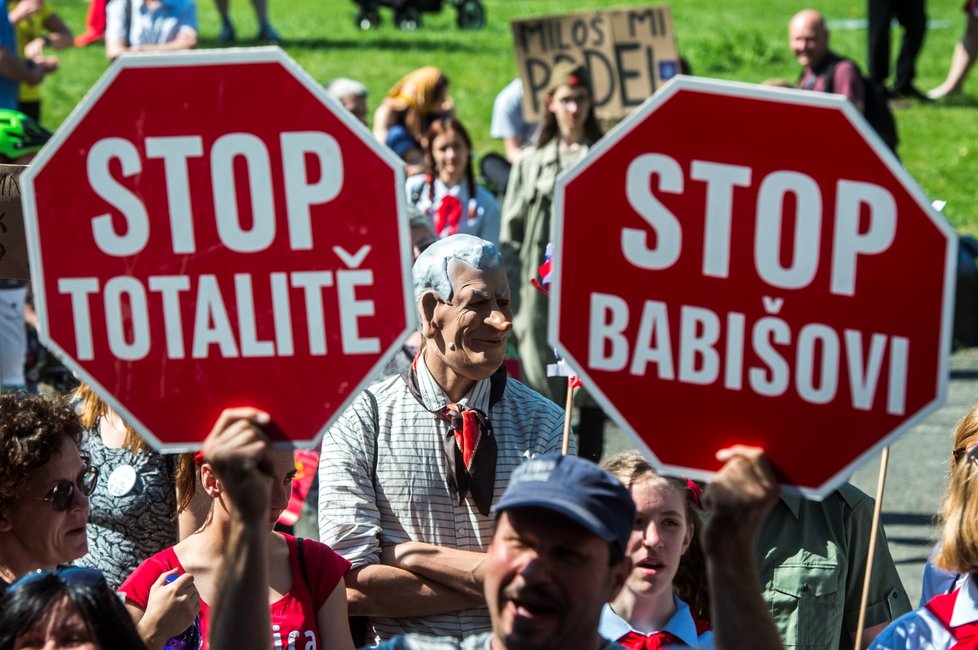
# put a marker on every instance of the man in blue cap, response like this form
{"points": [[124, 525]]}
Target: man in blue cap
{"points": [[557, 556]]}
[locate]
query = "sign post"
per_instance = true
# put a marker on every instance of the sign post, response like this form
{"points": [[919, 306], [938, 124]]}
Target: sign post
{"points": [[209, 229], [743, 264]]}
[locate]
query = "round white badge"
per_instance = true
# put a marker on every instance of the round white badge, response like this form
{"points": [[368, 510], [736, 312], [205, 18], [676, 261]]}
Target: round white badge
{"points": [[122, 480]]}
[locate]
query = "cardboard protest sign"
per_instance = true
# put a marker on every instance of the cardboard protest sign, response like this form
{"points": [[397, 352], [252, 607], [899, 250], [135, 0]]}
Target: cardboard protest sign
{"points": [[628, 52], [13, 247]]}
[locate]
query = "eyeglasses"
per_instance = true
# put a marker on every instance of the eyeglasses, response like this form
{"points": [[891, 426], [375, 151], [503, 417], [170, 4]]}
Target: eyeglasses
{"points": [[62, 494], [68, 575], [960, 452]]}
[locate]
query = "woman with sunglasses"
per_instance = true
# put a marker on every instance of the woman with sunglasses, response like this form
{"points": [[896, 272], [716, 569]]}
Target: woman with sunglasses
{"points": [[45, 482], [306, 591], [950, 618], [70, 607]]}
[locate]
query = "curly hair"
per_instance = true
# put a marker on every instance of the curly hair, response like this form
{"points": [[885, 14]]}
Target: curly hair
{"points": [[101, 609], [690, 582], [32, 430]]}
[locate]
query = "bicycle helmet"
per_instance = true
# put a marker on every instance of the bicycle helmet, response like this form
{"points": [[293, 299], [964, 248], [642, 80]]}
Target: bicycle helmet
{"points": [[20, 134]]}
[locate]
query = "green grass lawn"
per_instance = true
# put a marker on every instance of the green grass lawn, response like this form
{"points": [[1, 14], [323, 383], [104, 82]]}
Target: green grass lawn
{"points": [[743, 40]]}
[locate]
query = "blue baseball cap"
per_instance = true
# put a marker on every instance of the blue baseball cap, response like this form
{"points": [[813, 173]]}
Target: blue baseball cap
{"points": [[577, 489]]}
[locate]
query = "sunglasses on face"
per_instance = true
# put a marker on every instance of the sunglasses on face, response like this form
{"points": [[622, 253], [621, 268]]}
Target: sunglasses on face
{"points": [[62, 494], [68, 575]]}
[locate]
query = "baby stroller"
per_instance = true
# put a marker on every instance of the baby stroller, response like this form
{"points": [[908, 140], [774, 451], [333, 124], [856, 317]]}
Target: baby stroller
{"points": [[407, 13]]}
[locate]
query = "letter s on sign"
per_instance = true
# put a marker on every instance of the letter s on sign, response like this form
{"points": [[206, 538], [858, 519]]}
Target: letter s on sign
{"points": [[668, 235]]}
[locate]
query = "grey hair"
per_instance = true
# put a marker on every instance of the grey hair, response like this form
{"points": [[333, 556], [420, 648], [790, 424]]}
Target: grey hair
{"points": [[431, 269], [342, 87]]}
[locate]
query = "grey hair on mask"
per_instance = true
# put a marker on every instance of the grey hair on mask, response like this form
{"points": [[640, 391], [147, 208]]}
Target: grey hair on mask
{"points": [[431, 269]]}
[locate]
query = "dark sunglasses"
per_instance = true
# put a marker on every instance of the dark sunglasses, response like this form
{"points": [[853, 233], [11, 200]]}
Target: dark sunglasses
{"points": [[63, 493], [959, 454], [68, 575]]}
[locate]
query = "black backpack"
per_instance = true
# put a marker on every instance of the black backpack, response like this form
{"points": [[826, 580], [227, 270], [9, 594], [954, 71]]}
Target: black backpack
{"points": [[876, 109]]}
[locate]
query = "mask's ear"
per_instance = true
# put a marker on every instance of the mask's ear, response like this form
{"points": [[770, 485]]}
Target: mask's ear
{"points": [[426, 309]]}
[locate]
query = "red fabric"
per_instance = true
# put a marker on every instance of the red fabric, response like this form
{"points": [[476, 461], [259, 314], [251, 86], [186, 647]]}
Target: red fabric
{"points": [[971, 8], [306, 462], [95, 21], [294, 613], [636, 641], [942, 607], [448, 215], [468, 438]]}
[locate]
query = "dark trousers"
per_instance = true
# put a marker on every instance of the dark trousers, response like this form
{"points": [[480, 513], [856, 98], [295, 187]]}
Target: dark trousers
{"points": [[912, 17]]}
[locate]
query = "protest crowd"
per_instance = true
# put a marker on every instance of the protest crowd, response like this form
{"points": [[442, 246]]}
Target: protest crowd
{"points": [[447, 507]]}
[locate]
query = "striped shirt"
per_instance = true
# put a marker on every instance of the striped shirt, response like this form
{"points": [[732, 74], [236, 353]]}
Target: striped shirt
{"points": [[409, 498]]}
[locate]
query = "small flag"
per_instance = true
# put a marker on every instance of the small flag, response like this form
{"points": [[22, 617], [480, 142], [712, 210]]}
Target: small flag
{"points": [[562, 369], [544, 271]]}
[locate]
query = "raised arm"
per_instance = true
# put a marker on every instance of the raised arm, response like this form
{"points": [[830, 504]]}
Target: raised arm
{"points": [[739, 500], [238, 450]]}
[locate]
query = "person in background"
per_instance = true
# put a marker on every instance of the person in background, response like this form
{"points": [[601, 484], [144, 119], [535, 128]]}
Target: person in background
{"points": [[68, 607], [912, 16], [447, 191], [808, 38], [351, 94], [508, 123], [406, 112], [266, 32], [569, 129], [649, 608], [812, 561], [36, 26], [147, 501], [963, 57], [15, 70], [149, 26]]}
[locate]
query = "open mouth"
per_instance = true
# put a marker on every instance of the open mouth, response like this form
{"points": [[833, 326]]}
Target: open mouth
{"points": [[532, 611], [651, 565]]}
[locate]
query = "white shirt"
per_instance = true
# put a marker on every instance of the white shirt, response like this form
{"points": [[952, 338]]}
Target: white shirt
{"points": [[407, 497]]}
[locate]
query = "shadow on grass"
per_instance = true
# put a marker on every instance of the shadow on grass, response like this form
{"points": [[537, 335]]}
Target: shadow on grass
{"points": [[413, 43]]}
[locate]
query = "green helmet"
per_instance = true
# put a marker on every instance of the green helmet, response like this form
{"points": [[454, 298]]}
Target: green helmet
{"points": [[20, 134]]}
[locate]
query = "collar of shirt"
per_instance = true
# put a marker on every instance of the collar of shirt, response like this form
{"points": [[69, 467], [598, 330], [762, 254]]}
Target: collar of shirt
{"points": [[966, 604], [435, 399], [681, 624]]}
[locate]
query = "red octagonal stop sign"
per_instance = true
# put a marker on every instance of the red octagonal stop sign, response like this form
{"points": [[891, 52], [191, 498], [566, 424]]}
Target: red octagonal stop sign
{"points": [[209, 229], [744, 264]]}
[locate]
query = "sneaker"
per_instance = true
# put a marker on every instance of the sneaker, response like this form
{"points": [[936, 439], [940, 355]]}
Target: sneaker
{"points": [[268, 34], [227, 35], [88, 38], [909, 92]]}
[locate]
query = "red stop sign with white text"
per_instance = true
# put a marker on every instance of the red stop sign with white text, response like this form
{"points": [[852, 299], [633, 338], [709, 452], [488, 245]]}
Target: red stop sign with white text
{"points": [[742, 264], [209, 229]]}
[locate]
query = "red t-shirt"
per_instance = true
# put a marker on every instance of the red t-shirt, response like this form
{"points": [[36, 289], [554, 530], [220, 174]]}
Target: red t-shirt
{"points": [[293, 616]]}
